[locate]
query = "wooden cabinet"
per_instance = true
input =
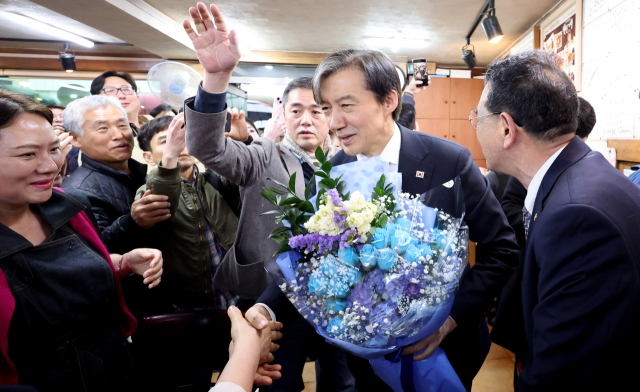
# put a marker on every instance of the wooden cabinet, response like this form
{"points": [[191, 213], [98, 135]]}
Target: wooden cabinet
{"points": [[434, 126], [462, 132], [465, 94], [443, 109], [433, 102]]}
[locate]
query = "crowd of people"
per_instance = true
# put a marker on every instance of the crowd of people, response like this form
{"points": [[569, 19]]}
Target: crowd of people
{"points": [[133, 255]]}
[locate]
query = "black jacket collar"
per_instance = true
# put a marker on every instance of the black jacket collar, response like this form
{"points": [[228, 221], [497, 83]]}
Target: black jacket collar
{"points": [[138, 170], [56, 211]]}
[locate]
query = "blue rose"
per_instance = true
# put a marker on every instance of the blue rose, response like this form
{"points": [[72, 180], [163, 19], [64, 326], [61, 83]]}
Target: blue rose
{"points": [[391, 228], [368, 256], [403, 224], [335, 327], [329, 266], [413, 240], [400, 241], [412, 254], [387, 259], [339, 289], [336, 306], [351, 276], [318, 283], [380, 239], [348, 256]]}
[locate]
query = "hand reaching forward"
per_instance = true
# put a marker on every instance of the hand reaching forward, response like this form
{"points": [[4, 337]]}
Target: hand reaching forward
{"points": [[238, 131], [146, 263], [216, 48], [431, 343], [176, 142]]}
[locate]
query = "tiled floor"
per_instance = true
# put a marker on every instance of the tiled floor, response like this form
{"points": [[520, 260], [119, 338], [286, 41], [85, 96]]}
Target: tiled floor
{"points": [[496, 374]]}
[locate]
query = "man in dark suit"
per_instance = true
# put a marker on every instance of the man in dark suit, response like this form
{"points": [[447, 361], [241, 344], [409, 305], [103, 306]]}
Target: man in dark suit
{"points": [[581, 275], [359, 92]]}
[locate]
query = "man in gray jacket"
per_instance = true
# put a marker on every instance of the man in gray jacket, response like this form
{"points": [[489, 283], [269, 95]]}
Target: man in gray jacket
{"points": [[242, 270]]}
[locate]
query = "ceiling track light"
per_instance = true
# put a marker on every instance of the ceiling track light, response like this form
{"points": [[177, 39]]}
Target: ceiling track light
{"points": [[40, 27], [469, 56], [491, 27], [68, 60]]}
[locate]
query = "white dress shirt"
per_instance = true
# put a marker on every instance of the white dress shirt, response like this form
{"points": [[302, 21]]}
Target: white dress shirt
{"points": [[391, 152], [536, 181]]}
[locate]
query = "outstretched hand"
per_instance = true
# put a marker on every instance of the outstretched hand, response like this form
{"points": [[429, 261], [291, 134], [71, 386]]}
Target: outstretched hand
{"points": [[217, 49]]}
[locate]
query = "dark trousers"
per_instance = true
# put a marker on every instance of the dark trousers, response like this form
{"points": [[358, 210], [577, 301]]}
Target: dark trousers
{"points": [[299, 342], [466, 347]]}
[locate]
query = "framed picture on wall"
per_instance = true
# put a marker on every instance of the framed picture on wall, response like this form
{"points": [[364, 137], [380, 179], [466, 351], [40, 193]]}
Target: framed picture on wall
{"points": [[561, 35]]}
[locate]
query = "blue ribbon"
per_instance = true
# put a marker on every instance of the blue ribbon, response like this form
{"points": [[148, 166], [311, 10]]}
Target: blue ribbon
{"points": [[406, 374]]}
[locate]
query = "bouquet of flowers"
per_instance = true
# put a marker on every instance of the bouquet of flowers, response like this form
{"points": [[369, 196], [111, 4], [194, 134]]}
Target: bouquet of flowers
{"points": [[371, 268]]}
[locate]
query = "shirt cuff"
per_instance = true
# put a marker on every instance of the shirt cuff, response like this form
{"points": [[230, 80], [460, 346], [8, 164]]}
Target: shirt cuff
{"points": [[209, 103], [273, 315]]}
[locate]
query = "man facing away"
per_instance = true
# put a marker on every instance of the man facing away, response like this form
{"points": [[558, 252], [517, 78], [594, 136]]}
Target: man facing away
{"points": [[581, 277], [243, 268]]}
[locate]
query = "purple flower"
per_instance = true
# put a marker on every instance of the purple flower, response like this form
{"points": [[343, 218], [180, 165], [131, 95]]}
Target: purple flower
{"points": [[413, 291], [335, 197]]}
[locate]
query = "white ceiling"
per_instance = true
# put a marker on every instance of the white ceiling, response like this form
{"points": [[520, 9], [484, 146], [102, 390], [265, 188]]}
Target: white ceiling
{"points": [[285, 25]]}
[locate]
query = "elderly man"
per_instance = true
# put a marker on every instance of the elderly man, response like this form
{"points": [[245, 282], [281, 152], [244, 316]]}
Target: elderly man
{"points": [[108, 178], [242, 269], [581, 269]]}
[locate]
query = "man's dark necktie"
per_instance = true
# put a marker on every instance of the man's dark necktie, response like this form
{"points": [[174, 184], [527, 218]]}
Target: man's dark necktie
{"points": [[308, 172], [527, 220]]}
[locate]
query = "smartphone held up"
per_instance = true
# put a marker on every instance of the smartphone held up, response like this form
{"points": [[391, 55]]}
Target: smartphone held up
{"points": [[420, 72]]}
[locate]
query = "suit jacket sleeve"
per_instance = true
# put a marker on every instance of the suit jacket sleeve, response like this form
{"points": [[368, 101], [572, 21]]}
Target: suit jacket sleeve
{"points": [[239, 163], [119, 236], [496, 251], [275, 299], [586, 295]]}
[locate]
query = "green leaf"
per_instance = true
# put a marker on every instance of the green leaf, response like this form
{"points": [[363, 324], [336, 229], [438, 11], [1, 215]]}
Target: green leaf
{"points": [[317, 164], [306, 207], [328, 183], [292, 183], [278, 231], [283, 249], [278, 182], [290, 200], [341, 186], [320, 174], [326, 167], [271, 212], [320, 193], [281, 240], [271, 198], [378, 191], [320, 155], [382, 221], [346, 197], [280, 191]]}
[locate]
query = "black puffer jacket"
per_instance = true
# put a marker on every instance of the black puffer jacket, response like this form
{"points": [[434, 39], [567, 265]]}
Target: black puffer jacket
{"points": [[110, 193]]}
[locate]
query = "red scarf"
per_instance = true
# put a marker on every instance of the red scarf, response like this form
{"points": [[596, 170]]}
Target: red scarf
{"points": [[83, 226]]}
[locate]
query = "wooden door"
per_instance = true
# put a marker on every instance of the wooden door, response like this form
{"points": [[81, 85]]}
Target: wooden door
{"points": [[433, 102], [465, 94], [435, 127], [463, 133]]}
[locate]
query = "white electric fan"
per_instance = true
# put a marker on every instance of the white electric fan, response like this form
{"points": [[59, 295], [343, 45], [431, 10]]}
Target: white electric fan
{"points": [[173, 82]]}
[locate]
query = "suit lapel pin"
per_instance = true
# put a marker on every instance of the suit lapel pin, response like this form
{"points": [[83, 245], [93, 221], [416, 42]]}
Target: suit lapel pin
{"points": [[535, 217], [420, 174]]}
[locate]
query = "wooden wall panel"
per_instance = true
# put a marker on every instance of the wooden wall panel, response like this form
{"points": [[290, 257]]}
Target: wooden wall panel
{"points": [[433, 102], [463, 133], [436, 127], [465, 94], [481, 162]]}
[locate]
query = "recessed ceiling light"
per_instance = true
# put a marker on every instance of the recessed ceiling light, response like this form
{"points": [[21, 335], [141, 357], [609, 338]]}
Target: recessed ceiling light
{"points": [[38, 99], [25, 84], [45, 28], [268, 66], [69, 70]]}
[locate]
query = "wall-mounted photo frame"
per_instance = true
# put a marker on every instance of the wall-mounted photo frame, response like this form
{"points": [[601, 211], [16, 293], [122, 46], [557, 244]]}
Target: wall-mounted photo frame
{"points": [[561, 34]]}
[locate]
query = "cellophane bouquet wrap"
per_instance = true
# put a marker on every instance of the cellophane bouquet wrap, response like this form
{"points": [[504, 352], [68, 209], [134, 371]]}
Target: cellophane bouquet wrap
{"points": [[371, 268]]}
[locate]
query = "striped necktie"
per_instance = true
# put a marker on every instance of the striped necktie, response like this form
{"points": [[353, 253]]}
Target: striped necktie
{"points": [[527, 220]]}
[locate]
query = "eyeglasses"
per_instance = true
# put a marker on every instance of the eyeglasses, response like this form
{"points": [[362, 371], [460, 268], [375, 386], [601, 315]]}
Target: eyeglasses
{"points": [[114, 90], [473, 118]]}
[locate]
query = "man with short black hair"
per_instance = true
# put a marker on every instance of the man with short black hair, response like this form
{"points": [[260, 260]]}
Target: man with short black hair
{"points": [[586, 119], [122, 86], [408, 116], [581, 278]]}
